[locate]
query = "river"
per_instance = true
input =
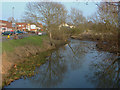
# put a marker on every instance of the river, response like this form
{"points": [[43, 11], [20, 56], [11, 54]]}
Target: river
{"points": [[76, 65]]}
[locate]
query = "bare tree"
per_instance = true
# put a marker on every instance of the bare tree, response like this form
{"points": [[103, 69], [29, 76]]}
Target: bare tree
{"points": [[108, 13], [106, 17], [11, 19], [77, 17], [50, 13]]}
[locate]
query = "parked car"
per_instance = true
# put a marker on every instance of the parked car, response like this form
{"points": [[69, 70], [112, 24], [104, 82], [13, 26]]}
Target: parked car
{"points": [[39, 33], [32, 31], [12, 32], [24, 32], [8, 33], [18, 32]]}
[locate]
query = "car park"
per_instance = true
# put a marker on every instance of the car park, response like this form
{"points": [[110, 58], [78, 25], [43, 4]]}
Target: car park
{"points": [[8, 33], [18, 32]]}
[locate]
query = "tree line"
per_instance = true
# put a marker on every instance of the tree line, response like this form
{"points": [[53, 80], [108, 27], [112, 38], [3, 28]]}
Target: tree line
{"points": [[53, 14]]}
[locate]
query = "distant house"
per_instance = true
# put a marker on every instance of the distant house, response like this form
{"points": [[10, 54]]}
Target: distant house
{"points": [[27, 26], [71, 26], [63, 25], [66, 25], [5, 26], [22, 26], [33, 27]]}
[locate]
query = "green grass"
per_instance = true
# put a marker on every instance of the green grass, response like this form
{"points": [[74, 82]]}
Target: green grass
{"points": [[10, 45], [26, 68]]}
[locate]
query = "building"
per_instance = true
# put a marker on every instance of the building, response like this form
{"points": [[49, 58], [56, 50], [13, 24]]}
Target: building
{"points": [[66, 25], [33, 27], [22, 26], [26, 26], [5, 26], [71, 25]]}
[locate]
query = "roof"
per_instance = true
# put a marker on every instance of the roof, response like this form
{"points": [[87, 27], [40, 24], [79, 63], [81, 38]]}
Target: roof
{"points": [[6, 24], [21, 23]]}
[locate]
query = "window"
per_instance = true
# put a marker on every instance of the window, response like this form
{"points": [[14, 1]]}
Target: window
{"points": [[3, 28]]}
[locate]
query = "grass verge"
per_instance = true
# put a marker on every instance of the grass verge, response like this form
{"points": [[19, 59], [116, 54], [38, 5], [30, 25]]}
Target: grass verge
{"points": [[9, 46]]}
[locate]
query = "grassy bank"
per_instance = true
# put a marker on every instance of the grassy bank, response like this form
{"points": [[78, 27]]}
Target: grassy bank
{"points": [[16, 51], [9, 46], [20, 57], [26, 68]]}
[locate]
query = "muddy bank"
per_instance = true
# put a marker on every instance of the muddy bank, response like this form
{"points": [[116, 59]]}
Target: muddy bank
{"points": [[22, 52], [21, 62], [104, 42]]}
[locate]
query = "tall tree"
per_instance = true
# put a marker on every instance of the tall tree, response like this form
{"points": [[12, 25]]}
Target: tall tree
{"points": [[108, 14], [47, 12], [77, 17], [11, 19], [50, 13]]}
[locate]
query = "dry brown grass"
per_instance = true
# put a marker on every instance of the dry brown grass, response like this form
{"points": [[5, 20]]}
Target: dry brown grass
{"points": [[105, 41], [20, 54]]}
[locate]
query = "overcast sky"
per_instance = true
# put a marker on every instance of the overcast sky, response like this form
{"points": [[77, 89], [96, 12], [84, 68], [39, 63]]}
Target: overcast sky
{"points": [[19, 8]]}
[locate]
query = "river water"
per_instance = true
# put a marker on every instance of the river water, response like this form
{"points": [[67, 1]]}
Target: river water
{"points": [[75, 65]]}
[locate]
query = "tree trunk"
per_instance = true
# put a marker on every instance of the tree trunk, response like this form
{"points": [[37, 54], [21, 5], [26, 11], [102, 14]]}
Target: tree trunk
{"points": [[119, 24], [50, 36], [119, 38]]}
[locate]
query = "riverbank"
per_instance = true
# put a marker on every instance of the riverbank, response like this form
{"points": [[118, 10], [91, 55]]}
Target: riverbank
{"points": [[77, 62], [105, 42], [18, 56]]}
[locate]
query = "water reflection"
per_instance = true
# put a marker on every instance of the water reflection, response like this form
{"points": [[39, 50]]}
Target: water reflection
{"points": [[51, 73], [76, 52], [61, 61], [72, 66], [106, 71]]}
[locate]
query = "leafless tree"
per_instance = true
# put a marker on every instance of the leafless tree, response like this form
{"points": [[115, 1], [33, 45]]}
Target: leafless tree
{"points": [[49, 13], [77, 17], [11, 19], [108, 13]]}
